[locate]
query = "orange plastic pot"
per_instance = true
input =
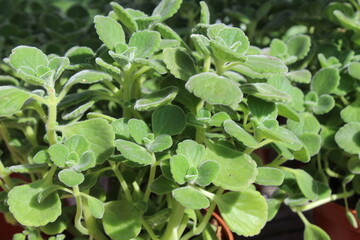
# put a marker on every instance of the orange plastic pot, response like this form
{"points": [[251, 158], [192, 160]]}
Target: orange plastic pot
{"points": [[223, 231], [332, 219]]}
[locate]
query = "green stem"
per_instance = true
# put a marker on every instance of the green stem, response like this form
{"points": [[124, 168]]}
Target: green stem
{"points": [[51, 124], [200, 135], [79, 211], [151, 179], [207, 63], [49, 176], [261, 144], [171, 232], [303, 218], [4, 175], [220, 67], [320, 202], [149, 230], [122, 181], [277, 162]]}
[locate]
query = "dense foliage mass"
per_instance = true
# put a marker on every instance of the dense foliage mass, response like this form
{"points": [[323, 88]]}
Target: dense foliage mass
{"points": [[131, 139]]}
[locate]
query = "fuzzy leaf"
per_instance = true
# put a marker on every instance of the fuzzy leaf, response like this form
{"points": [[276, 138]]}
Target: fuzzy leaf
{"points": [[124, 17], [24, 56], [233, 129], [308, 124], [179, 165], [351, 113], [265, 64], [78, 144], [299, 46], [157, 65], [12, 99], [138, 130], [191, 198], [324, 104], [87, 77], [169, 120], [262, 110], [237, 170], [23, 204], [244, 212], [354, 70], [325, 81], [214, 89], [156, 99], [265, 92], [162, 185], [161, 143], [204, 13], [193, 151], [313, 232], [145, 42], [96, 207], [166, 9], [87, 160], [208, 171], [269, 176], [179, 62], [300, 76], [70, 177], [121, 220], [348, 137], [110, 32], [58, 154], [98, 132], [134, 152]]}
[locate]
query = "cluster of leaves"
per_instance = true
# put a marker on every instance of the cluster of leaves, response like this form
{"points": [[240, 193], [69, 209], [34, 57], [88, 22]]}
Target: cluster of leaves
{"points": [[151, 128]]}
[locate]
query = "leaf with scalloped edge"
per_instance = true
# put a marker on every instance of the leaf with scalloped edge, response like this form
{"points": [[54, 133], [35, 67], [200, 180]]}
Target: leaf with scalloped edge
{"points": [[266, 92], [348, 137], [12, 99], [166, 9], [110, 32], [23, 204], [179, 62]]}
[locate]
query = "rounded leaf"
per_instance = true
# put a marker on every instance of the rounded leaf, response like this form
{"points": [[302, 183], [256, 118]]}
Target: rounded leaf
{"points": [[191, 198], [348, 137], [169, 119]]}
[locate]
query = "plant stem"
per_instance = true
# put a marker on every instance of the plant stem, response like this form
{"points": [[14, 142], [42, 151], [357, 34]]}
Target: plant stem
{"points": [[122, 181], [151, 179], [220, 67], [51, 124], [277, 162], [149, 230], [79, 211], [49, 176], [171, 232], [207, 63], [320, 202], [303, 218], [4, 175], [261, 144]]}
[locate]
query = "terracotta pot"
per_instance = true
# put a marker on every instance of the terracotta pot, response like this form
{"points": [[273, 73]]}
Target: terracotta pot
{"points": [[332, 219], [223, 231]]}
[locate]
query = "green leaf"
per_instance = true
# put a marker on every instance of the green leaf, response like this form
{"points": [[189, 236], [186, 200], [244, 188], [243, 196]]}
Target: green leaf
{"points": [[169, 119], [28, 168], [218, 119], [204, 13], [59, 64], [353, 165], [262, 110], [233, 129], [286, 111], [308, 124], [312, 141], [12, 99], [87, 77], [347, 21], [146, 43], [179, 166], [48, 191], [179, 63], [244, 212], [278, 48], [306, 183], [237, 170], [98, 132], [138, 130], [70, 177], [56, 227], [78, 144], [325, 81], [58, 154], [299, 46], [166, 9], [266, 92], [201, 42], [193, 151], [87, 160], [122, 220], [110, 32], [313, 232], [208, 172], [157, 65], [134, 152], [156, 99], [162, 185], [24, 56], [121, 128], [161, 143], [325, 104], [23, 204], [300, 76], [124, 17], [41, 157], [97, 207], [269, 176], [191, 198], [351, 113], [265, 64], [214, 89], [348, 137], [77, 112], [354, 70], [274, 203]]}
